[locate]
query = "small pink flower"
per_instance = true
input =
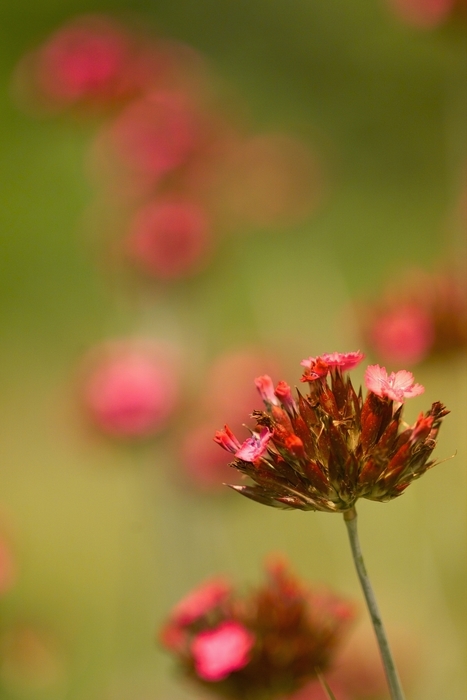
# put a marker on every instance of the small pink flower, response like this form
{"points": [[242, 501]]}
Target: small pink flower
{"points": [[265, 387], [318, 367], [129, 388], [220, 651], [284, 395], [255, 446], [169, 238], [396, 386], [207, 596], [226, 439]]}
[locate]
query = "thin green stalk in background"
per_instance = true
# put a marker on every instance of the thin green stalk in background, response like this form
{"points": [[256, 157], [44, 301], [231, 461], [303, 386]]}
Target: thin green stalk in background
{"points": [[350, 517]]}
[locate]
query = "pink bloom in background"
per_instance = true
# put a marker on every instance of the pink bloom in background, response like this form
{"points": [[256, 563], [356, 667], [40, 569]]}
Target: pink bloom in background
{"points": [[396, 386], [425, 13], [421, 316], [130, 388], [169, 238], [201, 600], [220, 651], [8, 572], [83, 62], [154, 135], [403, 334]]}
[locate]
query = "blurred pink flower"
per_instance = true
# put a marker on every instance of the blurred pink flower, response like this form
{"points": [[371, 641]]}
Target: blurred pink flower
{"points": [[201, 600], [153, 135], [403, 334], [169, 238], [8, 571], [397, 386], [425, 13], [130, 388], [83, 62], [219, 651]]}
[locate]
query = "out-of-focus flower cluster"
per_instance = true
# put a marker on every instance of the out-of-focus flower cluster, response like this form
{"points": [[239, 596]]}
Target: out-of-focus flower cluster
{"points": [[422, 316], [324, 450], [173, 169], [130, 388], [428, 13], [263, 643]]}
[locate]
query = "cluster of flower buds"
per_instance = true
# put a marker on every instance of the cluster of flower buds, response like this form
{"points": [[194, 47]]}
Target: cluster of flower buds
{"points": [[428, 13], [424, 316], [325, 449], [263, 643], [172, 171]]}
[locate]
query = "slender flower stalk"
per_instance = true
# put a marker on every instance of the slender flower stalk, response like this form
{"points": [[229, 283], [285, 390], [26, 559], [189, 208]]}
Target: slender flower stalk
{"points": [[350, 518]]}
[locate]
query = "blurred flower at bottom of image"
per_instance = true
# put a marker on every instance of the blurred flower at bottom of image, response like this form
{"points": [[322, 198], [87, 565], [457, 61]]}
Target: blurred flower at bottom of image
{"points": [[264, 642]]}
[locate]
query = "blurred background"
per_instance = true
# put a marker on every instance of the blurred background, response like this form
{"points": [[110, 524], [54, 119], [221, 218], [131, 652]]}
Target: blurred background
{"points": [[225, 189]]}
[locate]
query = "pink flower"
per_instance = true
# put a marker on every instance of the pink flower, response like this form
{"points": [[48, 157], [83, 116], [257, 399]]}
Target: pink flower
{"points": [[84, 60], [202, 462], [265, 387], [201, 600], [154, 135], [226, 439], [318, 367], [424, 13], [397, 386], [255, 446], [169, 238], [129, 389], [403, 334], [284, 395], [220, 651]]}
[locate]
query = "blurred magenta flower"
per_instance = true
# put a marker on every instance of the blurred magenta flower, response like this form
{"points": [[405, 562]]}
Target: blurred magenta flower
{"points": [[423, 316], [8, 570], [427, 13], [82, 63], [129, 388], [261, 643], [169, 238], [331, 447]]}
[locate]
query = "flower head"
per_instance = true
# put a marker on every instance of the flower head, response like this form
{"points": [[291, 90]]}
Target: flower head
{"points": [[267, 641], [326, 449], [396, 386], [220, 651]]}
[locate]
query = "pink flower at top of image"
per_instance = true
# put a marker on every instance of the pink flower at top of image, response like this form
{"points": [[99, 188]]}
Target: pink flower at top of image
{"points": [[263, 642], [219, 651], [83, 62], [129, 388], [169, 238], [426, 14], [329, 447]]}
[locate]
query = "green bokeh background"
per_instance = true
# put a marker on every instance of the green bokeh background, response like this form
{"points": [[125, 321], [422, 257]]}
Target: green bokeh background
{"points": [[106, 541]]}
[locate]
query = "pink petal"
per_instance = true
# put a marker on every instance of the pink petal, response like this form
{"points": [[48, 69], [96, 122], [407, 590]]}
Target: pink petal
{"points": [[220, 651]]}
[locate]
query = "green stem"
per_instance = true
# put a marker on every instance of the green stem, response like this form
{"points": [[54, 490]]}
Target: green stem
{"points": [[350, 517]]}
